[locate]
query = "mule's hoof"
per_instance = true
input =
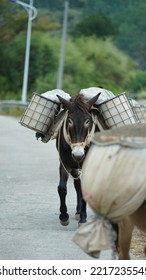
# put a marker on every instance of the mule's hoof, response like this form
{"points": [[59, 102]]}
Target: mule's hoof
{"points": [[77, 216], [82, 222], [64, 223]]}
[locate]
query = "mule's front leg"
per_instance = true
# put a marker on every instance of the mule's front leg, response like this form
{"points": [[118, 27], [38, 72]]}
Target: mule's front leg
{"points": [[81, 213], [62, 191]]}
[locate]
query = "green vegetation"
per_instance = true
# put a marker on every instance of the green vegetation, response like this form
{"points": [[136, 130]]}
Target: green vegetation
{"points": [[95, 24], [15, 112], [100, 50]]}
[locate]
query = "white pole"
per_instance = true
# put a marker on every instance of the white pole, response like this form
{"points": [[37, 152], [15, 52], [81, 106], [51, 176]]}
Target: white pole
{"points": [[27, 55], [32, 13], [61, 63]]}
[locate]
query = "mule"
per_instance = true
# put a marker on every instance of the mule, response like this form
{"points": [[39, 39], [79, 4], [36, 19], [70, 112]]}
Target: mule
{"points": [[138, 218], [72, 143]]}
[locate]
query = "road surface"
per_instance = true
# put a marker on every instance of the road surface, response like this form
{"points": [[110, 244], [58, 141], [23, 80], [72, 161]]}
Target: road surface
{"points": [[29, 202]]}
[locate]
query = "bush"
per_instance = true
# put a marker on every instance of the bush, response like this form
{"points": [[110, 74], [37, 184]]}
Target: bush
{"points": [[138, 81], [88, 62], [97, 24], [92, 62]]}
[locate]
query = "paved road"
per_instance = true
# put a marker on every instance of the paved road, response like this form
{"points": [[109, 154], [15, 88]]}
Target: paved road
{"points": [[29, 203]]}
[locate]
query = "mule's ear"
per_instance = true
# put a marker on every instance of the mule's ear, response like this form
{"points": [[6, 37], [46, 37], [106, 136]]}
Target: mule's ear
{"points": [[67, 104], [93, 100]]}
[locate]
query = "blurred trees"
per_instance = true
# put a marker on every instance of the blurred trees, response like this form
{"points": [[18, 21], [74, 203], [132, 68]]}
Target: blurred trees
{"points": [[132, 32], [96, 24], [12, 21], [91, 59], [127, 16]]}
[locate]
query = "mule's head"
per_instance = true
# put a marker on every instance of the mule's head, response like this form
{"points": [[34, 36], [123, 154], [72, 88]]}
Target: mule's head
{"points": [[78, 124]]}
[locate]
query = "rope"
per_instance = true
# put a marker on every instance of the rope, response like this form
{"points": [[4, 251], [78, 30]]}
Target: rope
{"points": [[59, 133], [68, 141]]}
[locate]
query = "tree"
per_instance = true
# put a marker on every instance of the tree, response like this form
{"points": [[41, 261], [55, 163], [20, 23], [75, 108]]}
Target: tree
{"points": [[132, 33], [96, 24], [13, 20]]}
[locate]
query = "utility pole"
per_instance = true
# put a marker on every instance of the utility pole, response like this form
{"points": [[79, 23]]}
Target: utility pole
{"points": [[61, 62], [32, 13]]}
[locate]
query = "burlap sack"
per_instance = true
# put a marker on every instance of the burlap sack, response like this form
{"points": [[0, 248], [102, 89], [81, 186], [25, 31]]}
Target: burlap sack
{"points": [[95, 235], [114, 177]]}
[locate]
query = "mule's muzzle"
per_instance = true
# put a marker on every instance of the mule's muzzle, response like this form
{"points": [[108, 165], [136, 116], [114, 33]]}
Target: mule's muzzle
{"points": [[78, 153]]}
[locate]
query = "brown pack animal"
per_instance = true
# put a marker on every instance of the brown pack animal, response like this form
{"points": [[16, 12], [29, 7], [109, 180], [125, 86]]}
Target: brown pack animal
{"points": [[73, 142]]}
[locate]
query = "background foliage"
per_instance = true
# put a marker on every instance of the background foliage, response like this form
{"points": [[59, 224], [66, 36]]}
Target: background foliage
{"points": [[105, 46]]}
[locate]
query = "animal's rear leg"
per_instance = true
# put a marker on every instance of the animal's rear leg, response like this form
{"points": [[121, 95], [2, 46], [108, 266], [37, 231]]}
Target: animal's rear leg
{"points": [[62, 191], [125, 235]]}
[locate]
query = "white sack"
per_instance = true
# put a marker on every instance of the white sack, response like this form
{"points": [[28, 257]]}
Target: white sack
{"points": [[114, 180], [93, 91], [52, 95]]}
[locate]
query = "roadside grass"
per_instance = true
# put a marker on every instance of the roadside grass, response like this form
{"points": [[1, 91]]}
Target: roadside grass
{"points": [[15, 112]]}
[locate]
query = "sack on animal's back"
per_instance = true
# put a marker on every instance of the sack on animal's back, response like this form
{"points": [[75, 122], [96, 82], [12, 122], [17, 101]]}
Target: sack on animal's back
{"points": [[93, 91], [113, 174], [52, 95]]}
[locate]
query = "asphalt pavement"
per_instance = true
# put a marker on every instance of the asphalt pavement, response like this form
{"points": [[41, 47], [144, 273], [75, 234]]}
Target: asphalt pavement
{"points": [[29, 202]]}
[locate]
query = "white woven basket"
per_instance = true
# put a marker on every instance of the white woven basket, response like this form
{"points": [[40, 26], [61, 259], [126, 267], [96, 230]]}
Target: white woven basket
{"points": [[140, 113], [40, 114], [117, 111]]}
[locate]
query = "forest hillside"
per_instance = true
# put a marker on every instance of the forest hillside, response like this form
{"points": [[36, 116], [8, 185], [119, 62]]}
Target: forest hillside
{"points": [[105, 46]]}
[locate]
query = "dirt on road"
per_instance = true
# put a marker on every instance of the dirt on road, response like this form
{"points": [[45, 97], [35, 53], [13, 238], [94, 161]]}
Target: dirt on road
{"points": [[138, 244]]}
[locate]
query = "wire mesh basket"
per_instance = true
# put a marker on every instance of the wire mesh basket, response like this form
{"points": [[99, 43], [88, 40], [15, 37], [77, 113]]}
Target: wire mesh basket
{"points": [[118, 111], [39, 114], [140, 113]]}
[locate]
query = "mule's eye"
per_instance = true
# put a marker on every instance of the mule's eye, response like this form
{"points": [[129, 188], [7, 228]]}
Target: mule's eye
{"points": [[86, 123], [70, 122]]}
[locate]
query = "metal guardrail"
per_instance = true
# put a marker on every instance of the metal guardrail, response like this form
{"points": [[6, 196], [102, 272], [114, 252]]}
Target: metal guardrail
{"points": [[12, 104]]}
